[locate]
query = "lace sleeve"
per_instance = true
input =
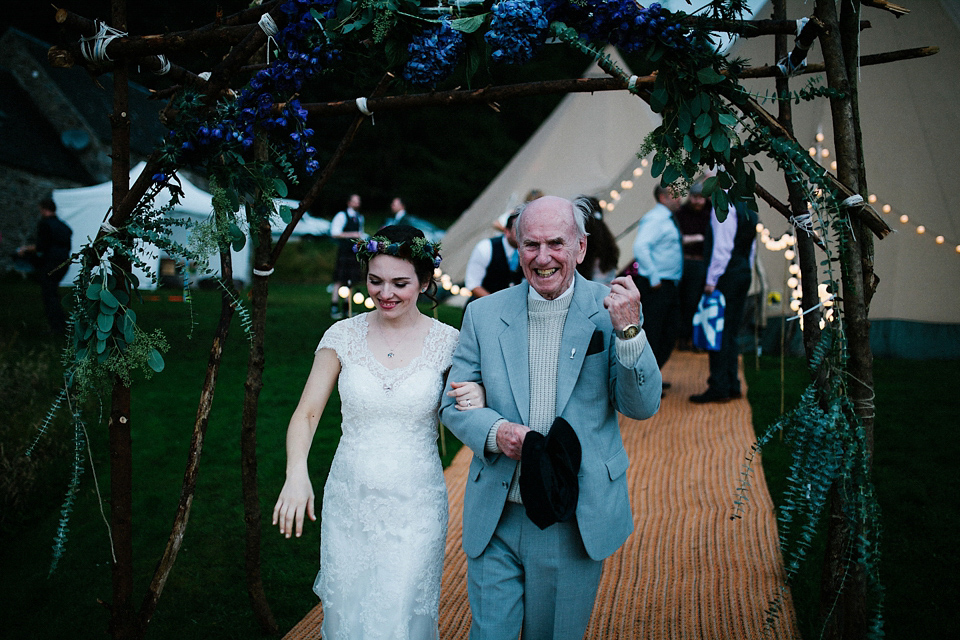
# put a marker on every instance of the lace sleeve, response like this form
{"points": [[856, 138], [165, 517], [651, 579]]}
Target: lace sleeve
{"points": [[446, 343], [334, 338]]}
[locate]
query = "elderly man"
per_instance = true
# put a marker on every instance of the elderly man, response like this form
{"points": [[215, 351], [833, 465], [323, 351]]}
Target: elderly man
{"points": [[555, 346]]}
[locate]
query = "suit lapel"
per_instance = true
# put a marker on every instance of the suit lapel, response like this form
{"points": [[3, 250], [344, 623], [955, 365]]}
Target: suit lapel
{"points": [[577, 332], [514, 348]]}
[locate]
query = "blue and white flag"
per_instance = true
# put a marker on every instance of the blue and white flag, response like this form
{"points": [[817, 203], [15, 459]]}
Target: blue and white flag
{"points": [[708, 322]]}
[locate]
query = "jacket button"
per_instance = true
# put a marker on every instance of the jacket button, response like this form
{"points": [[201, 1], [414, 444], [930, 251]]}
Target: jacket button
{"points": [[504, 484]]}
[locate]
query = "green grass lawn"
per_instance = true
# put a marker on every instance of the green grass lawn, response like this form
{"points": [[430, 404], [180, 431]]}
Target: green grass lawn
{"points": [[915, 453], [206, 595]]}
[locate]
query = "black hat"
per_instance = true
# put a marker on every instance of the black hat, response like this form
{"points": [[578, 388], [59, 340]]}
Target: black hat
{"points": [[548, 478]]}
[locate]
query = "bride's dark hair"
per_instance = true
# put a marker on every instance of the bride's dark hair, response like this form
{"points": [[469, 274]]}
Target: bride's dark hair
{"points": [[423, 265]]}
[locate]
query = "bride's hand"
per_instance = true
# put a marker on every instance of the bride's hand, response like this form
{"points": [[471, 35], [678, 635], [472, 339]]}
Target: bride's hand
{"points": [[469, 395], [296, 499]]}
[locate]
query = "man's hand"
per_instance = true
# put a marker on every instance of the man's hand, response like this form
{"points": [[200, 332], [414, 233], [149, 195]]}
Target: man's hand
{"points": [[623, 303], [510, 437]]}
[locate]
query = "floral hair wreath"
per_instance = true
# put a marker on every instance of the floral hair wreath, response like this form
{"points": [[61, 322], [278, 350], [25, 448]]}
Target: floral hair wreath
{"points": [[418, 248]]}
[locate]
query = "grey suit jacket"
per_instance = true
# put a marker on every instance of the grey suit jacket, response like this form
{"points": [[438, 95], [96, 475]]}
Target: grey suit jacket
{"points": [[592, 386]]}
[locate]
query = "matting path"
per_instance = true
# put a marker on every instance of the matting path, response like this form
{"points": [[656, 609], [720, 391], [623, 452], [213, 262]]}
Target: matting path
{"points": [[688, 571]]}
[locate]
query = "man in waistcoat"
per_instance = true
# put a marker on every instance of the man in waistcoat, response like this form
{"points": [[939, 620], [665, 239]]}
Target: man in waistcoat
{"points": [[556, 346], [731, 245], [346, 226], [693, 218], [494, 263]]}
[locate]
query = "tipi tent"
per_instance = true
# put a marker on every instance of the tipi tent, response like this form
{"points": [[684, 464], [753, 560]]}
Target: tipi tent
{"points": [[85, 208], [586, 140], [906, 111]]}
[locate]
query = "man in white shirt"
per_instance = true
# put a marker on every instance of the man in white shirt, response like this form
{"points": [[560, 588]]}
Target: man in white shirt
{"points": [[494, 263], [345, 227], [658, 251], [398, 209], [731, 246]]}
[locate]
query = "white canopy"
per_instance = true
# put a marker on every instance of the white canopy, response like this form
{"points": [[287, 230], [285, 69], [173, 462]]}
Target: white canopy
{"points": [[85, 208], [584, 143]]}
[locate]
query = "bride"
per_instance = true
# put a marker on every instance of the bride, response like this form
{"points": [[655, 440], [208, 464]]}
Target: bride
{"points": [[383, 521]]}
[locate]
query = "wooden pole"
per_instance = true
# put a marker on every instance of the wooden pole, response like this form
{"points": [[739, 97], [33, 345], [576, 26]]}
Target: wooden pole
{"points": [[845, 615], [122, 616]]}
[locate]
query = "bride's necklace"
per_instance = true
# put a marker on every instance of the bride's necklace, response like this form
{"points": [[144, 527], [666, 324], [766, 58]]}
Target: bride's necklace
{"points": [[392, 348]]}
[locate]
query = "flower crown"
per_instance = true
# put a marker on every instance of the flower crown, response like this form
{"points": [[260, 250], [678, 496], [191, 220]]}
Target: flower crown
{"points": [[418, 249]]}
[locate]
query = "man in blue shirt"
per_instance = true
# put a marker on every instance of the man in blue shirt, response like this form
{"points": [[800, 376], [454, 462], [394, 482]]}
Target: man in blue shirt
{"points": [[658, 251]]}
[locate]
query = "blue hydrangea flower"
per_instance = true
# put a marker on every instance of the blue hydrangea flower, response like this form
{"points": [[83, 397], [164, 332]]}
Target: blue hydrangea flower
{"points": [[518, 29], [433, 54]]}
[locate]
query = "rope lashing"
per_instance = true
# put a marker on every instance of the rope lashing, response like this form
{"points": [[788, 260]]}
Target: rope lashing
{"points": [[362, 106], [94, 48], [803, 222], [261, 273], [269, 26]]}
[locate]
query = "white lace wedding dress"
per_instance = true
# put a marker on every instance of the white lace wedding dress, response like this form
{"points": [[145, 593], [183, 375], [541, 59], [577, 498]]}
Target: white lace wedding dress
{"points": [[384, 515]]}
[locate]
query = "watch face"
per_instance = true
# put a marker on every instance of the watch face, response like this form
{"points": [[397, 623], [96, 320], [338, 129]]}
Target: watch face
{"points": [[630, 331]]}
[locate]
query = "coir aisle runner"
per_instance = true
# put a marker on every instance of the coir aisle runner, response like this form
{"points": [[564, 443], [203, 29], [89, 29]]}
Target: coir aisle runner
{"points": [[688, 570]]}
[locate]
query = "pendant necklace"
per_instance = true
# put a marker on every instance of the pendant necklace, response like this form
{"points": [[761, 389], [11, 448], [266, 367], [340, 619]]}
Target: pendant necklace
{"points": [[392, 349]]}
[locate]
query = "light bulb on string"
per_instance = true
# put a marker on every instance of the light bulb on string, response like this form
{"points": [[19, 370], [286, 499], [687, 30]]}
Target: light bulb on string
{"points": [[358, 298], [825, 153], [904, 219], [794, 269], [789, 254], [795, 305], [793, 282], [637, 172], [455, 289], [872, 198], [940, 240], [644, 162], [819, 137], [812, 151], [368, 303], [886, 208], [343, 292]]}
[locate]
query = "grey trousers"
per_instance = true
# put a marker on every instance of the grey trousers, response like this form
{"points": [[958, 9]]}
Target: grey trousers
{"points": [[542, 581]]}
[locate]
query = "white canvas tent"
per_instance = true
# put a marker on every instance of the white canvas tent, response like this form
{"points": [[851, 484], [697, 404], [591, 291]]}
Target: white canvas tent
{"points": [[586, 140], [907, 110], [85, 208]]}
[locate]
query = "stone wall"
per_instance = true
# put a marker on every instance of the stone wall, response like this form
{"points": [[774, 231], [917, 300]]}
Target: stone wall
{"points": [[20, 193]]}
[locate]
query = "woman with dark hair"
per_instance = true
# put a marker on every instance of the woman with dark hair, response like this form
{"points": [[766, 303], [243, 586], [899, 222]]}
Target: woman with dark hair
{"points": [[384, 515], [600, 262]]}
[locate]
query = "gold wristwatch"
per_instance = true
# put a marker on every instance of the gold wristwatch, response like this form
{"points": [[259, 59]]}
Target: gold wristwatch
{"points": [[629, 331]]}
